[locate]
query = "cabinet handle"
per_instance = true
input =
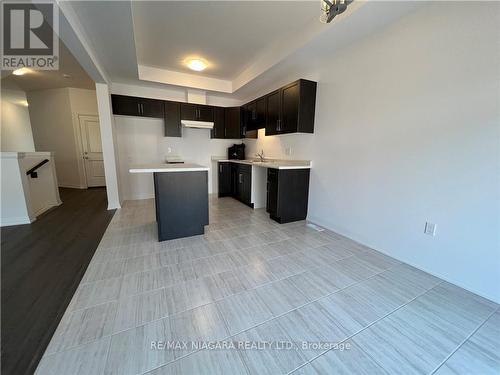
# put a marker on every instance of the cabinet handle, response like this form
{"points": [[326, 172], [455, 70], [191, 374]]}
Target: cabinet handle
{"points": [[240, 178], [278, 125], [220, 168], [142, 109]]}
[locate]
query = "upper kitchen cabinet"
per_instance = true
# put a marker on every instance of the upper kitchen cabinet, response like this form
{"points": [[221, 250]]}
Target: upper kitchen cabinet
{"points": [[197, 112], [233, 123], [255, 114], [173, 126], [291, 108], [261, 115], [133, 106], [219, 129], [250, 111], [273, 120]]}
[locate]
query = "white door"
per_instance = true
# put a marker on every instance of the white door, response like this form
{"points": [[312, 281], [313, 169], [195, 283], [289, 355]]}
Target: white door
{"points": [[92, 150]]}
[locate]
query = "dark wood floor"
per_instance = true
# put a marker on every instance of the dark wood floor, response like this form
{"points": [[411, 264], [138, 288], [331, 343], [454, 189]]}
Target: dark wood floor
{"points": [[42, 265]]}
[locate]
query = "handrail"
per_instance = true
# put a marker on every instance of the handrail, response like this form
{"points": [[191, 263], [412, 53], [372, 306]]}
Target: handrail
{"points": [[32, 172]]}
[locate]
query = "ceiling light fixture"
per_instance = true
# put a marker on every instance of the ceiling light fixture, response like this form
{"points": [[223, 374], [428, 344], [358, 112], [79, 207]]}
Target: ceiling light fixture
{"points": [[330, 8], [20, 72], [197, 65]]}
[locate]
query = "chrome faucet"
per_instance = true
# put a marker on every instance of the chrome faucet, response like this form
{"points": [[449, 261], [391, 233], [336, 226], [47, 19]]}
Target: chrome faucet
{"points": [[261, 156]]}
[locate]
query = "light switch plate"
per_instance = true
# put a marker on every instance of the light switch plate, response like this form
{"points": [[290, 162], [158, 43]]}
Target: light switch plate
{"points": [[430, 229]]}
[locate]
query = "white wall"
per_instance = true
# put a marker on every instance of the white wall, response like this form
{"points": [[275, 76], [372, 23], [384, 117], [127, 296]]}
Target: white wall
{"points": [[15, 125], [24, 198], [54, 121], [141, 140], [16, 205], [109, 146], [407, 131]]}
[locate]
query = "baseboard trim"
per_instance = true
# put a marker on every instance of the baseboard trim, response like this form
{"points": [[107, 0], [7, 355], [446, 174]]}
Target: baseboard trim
{"points": [[321, 223], [46, 208], [72, 186], [7, 222]]}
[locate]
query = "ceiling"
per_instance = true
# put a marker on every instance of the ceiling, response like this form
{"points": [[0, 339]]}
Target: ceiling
{"points": [[244, 42], [229, 35], [50, 79]]}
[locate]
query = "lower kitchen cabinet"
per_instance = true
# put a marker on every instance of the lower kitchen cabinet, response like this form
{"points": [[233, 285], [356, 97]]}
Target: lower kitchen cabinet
{"points": [[225, 182], [235, 180], [244, 193], [287, 194]]}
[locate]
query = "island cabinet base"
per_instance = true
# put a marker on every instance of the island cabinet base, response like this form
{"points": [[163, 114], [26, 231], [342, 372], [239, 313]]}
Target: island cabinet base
{"points": [[181, 200]]}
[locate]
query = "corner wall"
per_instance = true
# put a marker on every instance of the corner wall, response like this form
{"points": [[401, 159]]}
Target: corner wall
{"points": [[407, 130], [16, 132]]}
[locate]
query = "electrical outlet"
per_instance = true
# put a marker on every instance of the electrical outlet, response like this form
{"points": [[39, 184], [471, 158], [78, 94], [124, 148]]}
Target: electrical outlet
{"points": [[169, 150], [288, 151], [430, 229]]}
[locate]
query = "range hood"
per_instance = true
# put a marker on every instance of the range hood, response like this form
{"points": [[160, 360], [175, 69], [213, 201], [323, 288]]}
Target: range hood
{"points": [[197, 124]]}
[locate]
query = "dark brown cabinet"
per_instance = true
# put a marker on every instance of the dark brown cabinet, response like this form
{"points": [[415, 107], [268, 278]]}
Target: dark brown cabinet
{"points": [[133, 106], [287, 194], [273, 113], [225, 182], [152, 108], [291, 108], [173, 126], [219, 129], [251, 115], [197, 112], [255, 114], [235, 180], [245, 184], [261, 108], [233, 123], [145, 107]]}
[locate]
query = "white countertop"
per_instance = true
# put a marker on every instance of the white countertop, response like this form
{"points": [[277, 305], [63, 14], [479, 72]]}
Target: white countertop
{"points": [[270, 163], [162, 167]]}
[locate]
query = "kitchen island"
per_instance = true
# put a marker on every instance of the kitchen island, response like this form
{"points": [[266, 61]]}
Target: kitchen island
{"points": [[181, 198]]}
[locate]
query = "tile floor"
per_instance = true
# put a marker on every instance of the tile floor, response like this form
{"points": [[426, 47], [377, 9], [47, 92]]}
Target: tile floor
{"points": [[284, 298]]}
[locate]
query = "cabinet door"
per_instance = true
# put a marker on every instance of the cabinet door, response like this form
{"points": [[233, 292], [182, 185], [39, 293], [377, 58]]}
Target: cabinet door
{"points": [[251, 116], [241, 186], [218, 130], [224, 179], [205, 113], [173, 126], [234, 180], [272, 192], [125, 105], [189, 111], [273, 113], [232, 123], [261, 108], [290, 109], [151, 108], [246, 195]]}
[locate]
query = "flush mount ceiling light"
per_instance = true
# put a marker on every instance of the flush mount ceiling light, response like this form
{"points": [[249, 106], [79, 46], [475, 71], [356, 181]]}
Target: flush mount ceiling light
{"points": [[196, 64], [330, 8], [20, 72]]}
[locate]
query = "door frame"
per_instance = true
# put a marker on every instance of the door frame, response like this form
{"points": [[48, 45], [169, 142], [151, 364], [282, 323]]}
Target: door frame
{"points": [[79, 147]]}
